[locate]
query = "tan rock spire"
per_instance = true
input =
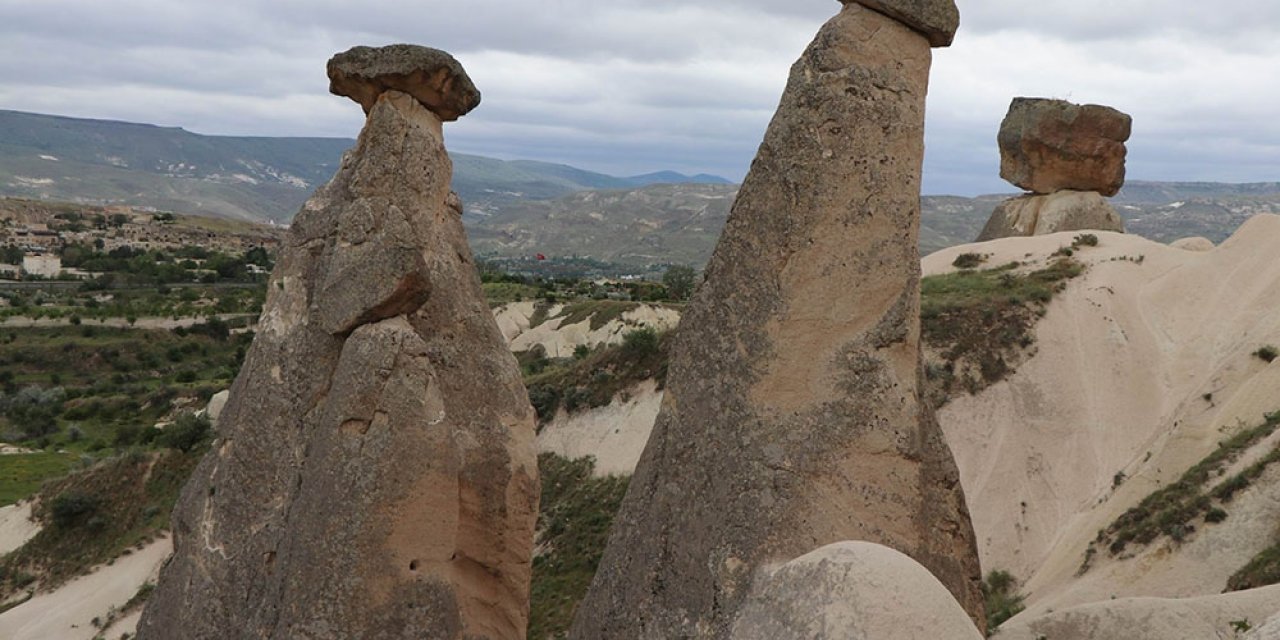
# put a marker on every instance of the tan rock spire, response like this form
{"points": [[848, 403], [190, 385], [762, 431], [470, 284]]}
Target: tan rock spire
{"points": [[793, 417], [374, 474]]}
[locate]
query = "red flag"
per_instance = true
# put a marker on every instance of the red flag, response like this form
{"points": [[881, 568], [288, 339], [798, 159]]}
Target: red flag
{"points": [[541, 257]]}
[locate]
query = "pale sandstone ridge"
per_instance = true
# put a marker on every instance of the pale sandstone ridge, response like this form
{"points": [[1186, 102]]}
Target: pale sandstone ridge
{"points": [[1050, 145], [431, 76], [860, 590], [1037, 215], [375, 472], [792, 418]]}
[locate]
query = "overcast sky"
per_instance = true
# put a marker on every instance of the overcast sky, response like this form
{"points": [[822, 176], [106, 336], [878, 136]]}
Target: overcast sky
{"points": [[632, 86]]}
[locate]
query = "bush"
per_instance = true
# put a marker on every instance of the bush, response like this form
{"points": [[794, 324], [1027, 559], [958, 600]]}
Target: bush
{"points": [[1268, 353], [968, 260], [186, 433], [1002, 600], [1085, 240], [640, 342], [73, 509]]}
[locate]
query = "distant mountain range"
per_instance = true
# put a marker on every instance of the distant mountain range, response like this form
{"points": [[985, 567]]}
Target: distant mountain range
{"points": [[262, 179], [515, 208]]}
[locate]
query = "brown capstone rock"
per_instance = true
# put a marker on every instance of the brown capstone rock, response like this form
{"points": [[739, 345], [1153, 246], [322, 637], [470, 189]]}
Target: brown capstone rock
{"points": [[938, 20], [793, 415], [1035, 215], [375, 474], [1050, 145], [431, 76]]}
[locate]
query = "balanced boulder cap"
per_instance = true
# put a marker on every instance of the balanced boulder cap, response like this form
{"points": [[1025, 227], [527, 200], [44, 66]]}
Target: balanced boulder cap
{"points": [[433, 77], [1050, 145], [938, 20]]}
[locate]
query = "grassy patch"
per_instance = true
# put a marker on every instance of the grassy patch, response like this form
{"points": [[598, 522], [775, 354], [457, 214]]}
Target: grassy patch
{"points": [[573, 527], [1000, 590], [1263, 570], [600, 312], [1173, 511], [594, 380], [980, 322], [22, 475], [98, 514], [500, 293]]}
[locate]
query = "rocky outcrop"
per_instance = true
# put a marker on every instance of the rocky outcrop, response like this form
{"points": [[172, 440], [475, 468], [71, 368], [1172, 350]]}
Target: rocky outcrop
{"points": [[938, 20], [852, 591], [792, 418], [1068, 156], [1037, 215], [1050, 145], [431, 76], [1197, 244], [375, 474]]}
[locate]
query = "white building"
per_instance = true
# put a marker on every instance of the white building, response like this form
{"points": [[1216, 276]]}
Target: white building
{"points": [[46, 265]]}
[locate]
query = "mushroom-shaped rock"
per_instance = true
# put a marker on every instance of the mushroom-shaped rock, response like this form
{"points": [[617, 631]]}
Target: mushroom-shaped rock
{"points": [[852, 591], [431, 76], [938, 20], [1050, 145]]}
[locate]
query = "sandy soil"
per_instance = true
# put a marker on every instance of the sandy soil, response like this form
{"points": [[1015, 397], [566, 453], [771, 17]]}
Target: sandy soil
{"points": [[1126, 358], [615, 434], [67, 613], [16, 526]]}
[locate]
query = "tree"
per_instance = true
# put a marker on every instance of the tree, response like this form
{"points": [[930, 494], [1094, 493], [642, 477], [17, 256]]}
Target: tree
{"points": [[679, 281]]}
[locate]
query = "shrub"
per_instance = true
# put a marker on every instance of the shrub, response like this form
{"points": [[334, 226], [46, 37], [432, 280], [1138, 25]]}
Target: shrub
{"points": [[1002, 600], [968, 260], [1085, 240], [640, 342], [186, 433], [73, 509], [1268, 353]]}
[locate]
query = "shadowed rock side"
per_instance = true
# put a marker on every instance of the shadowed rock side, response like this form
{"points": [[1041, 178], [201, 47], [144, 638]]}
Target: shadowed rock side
{"points": [[1038, 215], [375, 475], [792, 418]]}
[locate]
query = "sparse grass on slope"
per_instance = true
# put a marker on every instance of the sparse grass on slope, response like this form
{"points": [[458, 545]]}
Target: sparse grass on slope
{"points": [[980, 322], [573, 527], [1000, 589], [596, 379], [600, 312], [98, 514], [22, 475], [1173, 511]]}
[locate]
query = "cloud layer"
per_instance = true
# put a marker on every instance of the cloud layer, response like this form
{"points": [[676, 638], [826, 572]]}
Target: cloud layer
{"points": [[631, 86]]}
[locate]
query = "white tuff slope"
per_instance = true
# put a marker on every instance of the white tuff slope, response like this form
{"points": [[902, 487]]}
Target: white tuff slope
{"points": [[1144, 364]]}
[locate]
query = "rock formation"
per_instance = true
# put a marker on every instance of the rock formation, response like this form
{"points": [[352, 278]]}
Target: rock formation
{"points": [[374, 475], [865, 590], [1068, 156], [792, 418], [1034, 215]]}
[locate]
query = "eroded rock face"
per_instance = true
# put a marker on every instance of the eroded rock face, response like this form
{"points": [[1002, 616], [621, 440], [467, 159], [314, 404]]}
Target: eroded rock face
{"points": [[1036, 215], [1050, 145], [792, 417], [852, 591], [938, 20], [375, 474], [431, 76]]}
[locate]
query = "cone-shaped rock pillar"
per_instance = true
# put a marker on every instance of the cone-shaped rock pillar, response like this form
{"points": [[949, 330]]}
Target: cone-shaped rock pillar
{"points": [[374, 474], [793, 416]]}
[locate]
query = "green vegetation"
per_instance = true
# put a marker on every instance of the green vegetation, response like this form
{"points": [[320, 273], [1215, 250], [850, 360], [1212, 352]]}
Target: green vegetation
{"points": [[88, 390], [125, 265], [999, 589], [968, 260], [1268, 353], [594, 380], [679, 281], [1172, 511], [573, 527], [600, 312], [980, 322], [98, 514], [22, 475]]}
